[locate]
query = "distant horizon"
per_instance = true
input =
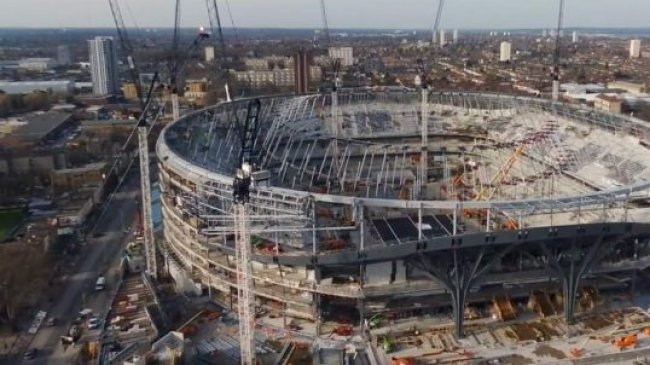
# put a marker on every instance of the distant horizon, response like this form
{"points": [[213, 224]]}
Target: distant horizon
{"points": [[341, 14], [226, 29]]}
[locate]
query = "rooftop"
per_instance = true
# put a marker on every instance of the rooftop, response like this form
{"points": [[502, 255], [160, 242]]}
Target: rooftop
{"points": [[89, 167], [50, 83], [40, 125]]}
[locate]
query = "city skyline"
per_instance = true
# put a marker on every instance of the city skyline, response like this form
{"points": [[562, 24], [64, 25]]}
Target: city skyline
{"points": [[373, 14]]}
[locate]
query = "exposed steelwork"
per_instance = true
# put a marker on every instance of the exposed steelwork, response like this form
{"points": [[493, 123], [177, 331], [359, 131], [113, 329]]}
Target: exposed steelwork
{"points": [[518, 192]]}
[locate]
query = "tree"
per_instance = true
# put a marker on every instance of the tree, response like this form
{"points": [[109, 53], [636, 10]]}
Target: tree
{"points": [[5, 105], [23, 279], [36, 101]]}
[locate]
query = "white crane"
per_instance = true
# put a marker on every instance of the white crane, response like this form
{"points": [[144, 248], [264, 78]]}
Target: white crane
{"points": [[241, 196]]}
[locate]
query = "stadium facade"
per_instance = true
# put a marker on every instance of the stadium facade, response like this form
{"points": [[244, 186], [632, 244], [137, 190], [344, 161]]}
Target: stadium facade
{"points": [[515, 195]]}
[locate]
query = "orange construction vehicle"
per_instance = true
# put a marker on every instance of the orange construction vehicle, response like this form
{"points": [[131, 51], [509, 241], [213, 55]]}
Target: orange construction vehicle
{"points": [[625, 342], [335, 244], [342, 330], [403, 361]]}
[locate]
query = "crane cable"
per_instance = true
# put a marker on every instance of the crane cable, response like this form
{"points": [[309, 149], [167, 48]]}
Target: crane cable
{"points": [[232, 21]]}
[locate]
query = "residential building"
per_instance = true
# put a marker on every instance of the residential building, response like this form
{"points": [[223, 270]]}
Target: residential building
{"points": [[259, 78], [629, 86], [63, 56], [196, 89], [209, 54], [70, 179], [36, 64], [455, 36], [26, 87], [344, 54], [104, 66], [268, 63], [574, 38], [74, 207], [443, 41], [635, 48], [610, 103], [130, 90], [505, 52]]}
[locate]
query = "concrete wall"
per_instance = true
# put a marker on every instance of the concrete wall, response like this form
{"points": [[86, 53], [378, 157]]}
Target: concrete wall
{"points": [[22, 165], [379, 273]]}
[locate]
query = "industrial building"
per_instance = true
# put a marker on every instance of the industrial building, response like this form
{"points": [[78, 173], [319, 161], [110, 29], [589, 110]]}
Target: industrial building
{"points": [[381, 204], [26, 87], [37, 64]]}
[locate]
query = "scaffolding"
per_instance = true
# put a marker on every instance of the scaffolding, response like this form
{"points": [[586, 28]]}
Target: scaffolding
{"points": [[322, 226], [147, 219]]}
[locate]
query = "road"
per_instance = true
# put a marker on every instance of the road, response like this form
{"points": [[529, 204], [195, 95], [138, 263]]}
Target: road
{"points": [[101, 252]]}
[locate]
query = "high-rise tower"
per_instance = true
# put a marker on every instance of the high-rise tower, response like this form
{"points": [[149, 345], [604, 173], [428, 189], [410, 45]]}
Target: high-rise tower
{"points": [[103, 66]]}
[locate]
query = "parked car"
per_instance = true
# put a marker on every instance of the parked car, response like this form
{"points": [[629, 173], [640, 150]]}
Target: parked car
{"points": [[31, 354], [51, 322], [94, 323]]}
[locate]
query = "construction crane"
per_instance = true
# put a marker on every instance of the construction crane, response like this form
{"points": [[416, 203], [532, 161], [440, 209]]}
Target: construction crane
{"points": [[555, 72], [145, 184], [215, 26], [178, 59], [143, 143], [173, 61], [241, 196], [127, 46], [422, 81], [436, 24], [335, 65]]}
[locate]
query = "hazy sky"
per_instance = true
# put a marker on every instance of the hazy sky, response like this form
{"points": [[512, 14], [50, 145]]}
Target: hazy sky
{"points": [[341, 13]]}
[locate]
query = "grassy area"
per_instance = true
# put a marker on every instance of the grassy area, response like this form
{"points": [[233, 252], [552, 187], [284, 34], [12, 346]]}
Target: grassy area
{"points": [[8, 220]]}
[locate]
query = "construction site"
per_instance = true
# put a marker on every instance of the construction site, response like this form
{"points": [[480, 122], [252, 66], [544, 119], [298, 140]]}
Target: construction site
{"points": [[417, 226]]}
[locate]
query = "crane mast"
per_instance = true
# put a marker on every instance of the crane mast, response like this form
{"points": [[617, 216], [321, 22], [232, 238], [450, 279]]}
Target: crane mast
{"points": [[556, 54], [241, 196], [424, 84], [143, 142], [336, 83], [215, 24], [127, 46], [174, 62]]}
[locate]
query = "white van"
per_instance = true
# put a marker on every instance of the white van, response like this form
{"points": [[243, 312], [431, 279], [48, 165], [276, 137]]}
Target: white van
{"points": [[100, 284]]}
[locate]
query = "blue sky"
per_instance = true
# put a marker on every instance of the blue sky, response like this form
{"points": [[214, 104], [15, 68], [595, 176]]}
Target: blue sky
{"points": [[495, 14]]}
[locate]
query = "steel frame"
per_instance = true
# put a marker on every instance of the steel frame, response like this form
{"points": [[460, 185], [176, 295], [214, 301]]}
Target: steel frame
{"points": [[292, 137]]}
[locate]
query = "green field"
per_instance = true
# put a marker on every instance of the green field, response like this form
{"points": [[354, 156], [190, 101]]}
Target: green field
{"points": [[8, 220]]}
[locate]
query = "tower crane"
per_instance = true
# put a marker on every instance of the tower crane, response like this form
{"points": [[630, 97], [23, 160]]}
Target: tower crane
{"points": [[143, 143], [177, 64], [555, 72], [422, 81], [215, 25], [127, 46], [335, 64], [173, 61], [242, 185]]}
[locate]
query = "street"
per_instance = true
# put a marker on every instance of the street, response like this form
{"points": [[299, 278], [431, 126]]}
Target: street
{"points": [[79, 291]]}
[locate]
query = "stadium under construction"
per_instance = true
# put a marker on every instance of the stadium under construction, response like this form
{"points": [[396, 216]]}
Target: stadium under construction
{"points": [[403, 203]]}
